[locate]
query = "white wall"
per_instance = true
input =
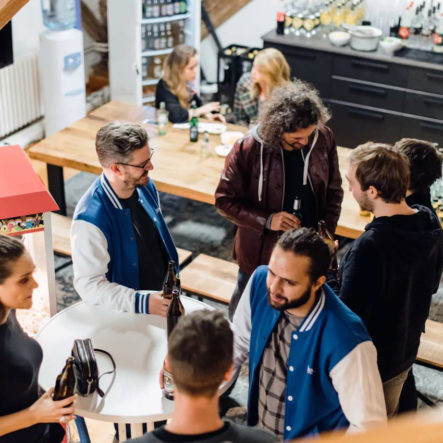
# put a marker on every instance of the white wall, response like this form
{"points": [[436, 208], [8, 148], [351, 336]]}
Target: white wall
{"points": [[26, 27], [245, 27]]}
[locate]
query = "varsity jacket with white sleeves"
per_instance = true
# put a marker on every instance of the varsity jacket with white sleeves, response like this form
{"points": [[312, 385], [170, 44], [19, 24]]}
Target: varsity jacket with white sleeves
{"points": [[332, 376], [104, 248]]}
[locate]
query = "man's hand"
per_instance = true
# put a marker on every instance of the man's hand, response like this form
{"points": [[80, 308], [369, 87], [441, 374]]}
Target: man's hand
{"points": [[284, 221], [158, 305]]}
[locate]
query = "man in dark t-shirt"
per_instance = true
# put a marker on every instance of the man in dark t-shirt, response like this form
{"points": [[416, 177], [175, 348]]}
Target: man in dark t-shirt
{"points": [[197, 374]]}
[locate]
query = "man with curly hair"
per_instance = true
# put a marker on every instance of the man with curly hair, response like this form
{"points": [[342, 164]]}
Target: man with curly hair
{"points": [[291, 155]]}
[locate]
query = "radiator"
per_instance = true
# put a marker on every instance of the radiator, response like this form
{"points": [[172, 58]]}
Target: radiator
{"points": [[20, 94]]}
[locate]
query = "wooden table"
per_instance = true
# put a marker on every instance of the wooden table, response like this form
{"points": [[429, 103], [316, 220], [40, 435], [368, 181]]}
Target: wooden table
{"points": [[177, 167]]}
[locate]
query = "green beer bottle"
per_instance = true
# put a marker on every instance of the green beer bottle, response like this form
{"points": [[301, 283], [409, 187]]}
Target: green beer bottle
{"points": [[193, 124]]}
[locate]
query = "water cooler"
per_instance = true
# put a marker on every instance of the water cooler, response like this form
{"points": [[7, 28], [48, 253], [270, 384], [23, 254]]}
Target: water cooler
{"points": [[62, 68]]}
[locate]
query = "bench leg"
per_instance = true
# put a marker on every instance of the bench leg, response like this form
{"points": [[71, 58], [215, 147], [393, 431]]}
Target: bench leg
{"points": [[56, 185], [136, 430], [425, 399]]}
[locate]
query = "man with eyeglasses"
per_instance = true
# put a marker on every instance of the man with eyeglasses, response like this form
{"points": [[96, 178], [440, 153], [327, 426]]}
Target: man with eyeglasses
{"points": [[291, 155], [120, 242]]}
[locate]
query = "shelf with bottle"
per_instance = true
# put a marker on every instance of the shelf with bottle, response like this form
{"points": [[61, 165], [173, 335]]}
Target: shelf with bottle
{"points": [[154, 9], [171, 18], [160, 38]]}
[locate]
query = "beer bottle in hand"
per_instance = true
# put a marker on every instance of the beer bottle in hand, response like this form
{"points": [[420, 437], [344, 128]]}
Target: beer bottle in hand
{"points": [[175, 311], [65, 383], [297, 209], [170, 281], [327, 237]]}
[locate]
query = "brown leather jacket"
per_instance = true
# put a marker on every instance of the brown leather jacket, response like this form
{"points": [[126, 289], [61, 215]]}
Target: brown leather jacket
{"points": [[251, 188]]}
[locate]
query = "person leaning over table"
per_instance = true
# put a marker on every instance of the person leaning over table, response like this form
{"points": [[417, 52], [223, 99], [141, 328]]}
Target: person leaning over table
{"points": [[26, 413], [312, 364], [198, 374], [120, 242], [291, 153], [176, 88], [270, 69]]}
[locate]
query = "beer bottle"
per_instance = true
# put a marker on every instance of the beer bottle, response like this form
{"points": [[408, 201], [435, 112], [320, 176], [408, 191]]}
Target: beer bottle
{"points": [[297, 209], [327, 237], [170, 280], [193, 124], [175, 311], [65, 382]]}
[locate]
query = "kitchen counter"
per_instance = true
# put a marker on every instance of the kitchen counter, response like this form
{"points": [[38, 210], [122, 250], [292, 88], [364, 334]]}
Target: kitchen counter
{"points": [[320, 42]]}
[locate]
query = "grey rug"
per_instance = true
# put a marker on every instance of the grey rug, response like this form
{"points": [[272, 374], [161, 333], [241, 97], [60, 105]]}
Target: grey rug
{"points": [[199, 228]]}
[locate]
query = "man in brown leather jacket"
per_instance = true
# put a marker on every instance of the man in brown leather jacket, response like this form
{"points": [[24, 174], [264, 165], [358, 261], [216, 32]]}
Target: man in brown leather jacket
{"points": [[291, 155]]}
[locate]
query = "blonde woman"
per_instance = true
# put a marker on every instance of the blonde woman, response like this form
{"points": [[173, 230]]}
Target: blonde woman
{"points": [[270, 69], [175, 88]]}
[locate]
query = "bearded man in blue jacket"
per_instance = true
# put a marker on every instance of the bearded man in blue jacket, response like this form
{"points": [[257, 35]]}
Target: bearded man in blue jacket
{"points": [[312, 364]]}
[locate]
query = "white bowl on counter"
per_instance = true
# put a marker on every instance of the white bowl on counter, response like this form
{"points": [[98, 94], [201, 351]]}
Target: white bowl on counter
{"points": [[364, 38], [389, 45], [339, 38]]}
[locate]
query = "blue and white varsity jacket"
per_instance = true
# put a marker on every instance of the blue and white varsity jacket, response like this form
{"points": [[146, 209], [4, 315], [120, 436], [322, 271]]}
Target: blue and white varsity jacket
{"points": [[104, 248], [332, 376]]}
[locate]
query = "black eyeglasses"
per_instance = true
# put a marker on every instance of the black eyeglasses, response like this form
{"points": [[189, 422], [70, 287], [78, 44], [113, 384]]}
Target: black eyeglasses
{"points": [[143, 165]]}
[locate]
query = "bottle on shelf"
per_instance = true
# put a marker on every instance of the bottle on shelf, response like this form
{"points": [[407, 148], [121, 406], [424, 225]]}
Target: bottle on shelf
{"points": [[170, 280], [162, 121], [176, 7], [280, 23], [156, 8], [296, 209], [327, 237], [169, 38], [163, 41], [193, 124], [65, 382]]}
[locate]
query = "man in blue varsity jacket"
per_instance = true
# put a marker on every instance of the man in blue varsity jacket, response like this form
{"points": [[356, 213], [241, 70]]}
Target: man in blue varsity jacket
{"points": [[120, 242], [312, 364]]}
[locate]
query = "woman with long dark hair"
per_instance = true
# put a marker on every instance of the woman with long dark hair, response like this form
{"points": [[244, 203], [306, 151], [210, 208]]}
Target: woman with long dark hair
{"points": [[26, 414]]}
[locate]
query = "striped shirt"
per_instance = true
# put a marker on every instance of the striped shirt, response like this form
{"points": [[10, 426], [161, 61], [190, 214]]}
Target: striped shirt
{"points": [[272, 385], [245, 105]]}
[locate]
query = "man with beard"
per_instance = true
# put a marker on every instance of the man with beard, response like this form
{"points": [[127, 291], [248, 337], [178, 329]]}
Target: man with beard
{"points": [[120, 242], [390, 273], [291, 156], [312, 364]]}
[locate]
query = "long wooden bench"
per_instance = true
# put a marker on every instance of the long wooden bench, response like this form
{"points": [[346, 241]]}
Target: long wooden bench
{"points": [[61, 228], [210, 277], [430, 352]]}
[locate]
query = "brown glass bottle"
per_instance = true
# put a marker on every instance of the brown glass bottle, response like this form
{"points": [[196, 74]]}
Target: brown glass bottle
{"points": [[170, 281], [65, 382], [175, 311], [327, 237]]}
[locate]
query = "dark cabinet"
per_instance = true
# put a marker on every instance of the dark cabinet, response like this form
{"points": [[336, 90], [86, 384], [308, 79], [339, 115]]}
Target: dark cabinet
{"points": [[370, 70], [311, 66], [378, 96], [354, 125], [370, 97]]}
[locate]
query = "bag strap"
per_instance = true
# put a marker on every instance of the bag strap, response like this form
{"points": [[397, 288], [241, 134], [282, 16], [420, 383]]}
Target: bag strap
{"points": [[100, 392]]}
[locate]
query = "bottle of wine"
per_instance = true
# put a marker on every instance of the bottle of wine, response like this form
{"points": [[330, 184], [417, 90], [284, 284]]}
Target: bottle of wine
{"points": [[65, 382], [327, 237], [170, 281]]}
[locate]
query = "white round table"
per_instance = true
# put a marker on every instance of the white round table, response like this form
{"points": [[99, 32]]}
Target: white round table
{"points": [[138, 344]]}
